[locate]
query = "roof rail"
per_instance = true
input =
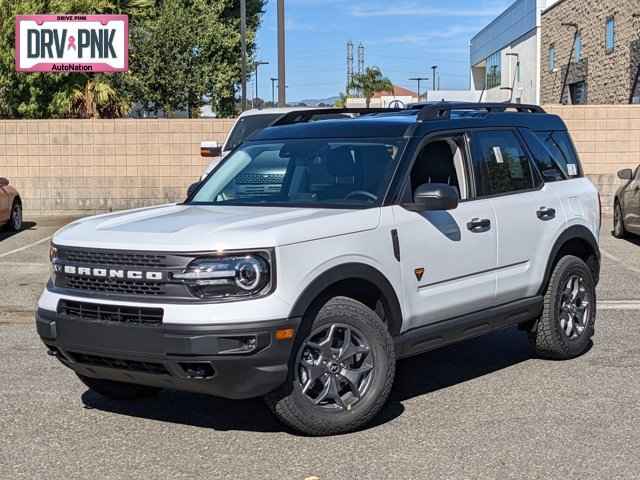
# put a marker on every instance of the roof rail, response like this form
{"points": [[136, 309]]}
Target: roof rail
{"points": [[442, 111], [303, 116]]}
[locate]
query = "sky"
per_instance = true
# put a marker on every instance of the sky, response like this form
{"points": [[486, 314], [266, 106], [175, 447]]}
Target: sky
{"points": [[404, 38]]}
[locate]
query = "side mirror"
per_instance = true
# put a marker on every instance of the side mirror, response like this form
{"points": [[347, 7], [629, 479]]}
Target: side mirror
{"points": [[433, 197], [626, 174], [210, 149], [4, 182], [192, 189]]}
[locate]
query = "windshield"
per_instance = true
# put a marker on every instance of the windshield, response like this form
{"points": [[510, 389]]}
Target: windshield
{"points": [[316, 173], [245, 126]]}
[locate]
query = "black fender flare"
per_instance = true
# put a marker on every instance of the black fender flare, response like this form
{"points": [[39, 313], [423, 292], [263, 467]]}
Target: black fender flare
{"points": [[349, 271], [574, 232]]}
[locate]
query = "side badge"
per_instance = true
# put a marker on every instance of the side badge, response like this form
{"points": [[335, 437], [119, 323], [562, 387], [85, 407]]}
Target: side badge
{"points": [[419, 273]]}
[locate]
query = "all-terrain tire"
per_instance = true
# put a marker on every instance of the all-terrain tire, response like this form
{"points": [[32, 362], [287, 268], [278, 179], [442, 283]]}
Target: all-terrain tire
{"points": [[118, 390], [549, 340], [295, 409]]}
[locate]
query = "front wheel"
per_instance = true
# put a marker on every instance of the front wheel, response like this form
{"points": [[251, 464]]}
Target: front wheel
{"points": [[15, 220], [568, 320], [342, 372], [118, 390]]}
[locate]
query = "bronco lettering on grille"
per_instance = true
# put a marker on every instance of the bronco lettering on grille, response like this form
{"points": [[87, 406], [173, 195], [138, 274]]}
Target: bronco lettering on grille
{"points": [[109, 273]]}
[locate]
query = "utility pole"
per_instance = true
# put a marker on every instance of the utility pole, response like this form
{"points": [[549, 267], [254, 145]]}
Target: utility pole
{"points": [[419, 79], [282, 88], [435, 69], [273, 91], [243, 47], [258, 63]]}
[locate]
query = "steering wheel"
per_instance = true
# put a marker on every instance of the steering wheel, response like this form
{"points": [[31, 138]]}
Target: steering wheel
{"points": [[362, 193]]}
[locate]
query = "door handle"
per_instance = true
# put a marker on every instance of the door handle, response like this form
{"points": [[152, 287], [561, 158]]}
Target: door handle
{"points": [[478, 225], [546, 213]]}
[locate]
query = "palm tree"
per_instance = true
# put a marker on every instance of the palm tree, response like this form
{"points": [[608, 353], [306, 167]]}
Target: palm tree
{"points": [[370, 82], [98, 98]]}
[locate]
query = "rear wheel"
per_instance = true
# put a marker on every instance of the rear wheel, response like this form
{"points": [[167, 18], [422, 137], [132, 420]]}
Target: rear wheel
{"points": [[15, 220], [618, 222], [342, 372], [118, 390], [568, 320]]}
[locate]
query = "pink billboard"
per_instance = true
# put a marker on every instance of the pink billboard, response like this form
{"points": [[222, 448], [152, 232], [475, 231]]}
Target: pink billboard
{"points": [[72, 43]]}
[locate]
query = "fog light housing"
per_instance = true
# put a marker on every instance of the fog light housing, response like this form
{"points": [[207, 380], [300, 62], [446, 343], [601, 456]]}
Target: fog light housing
{"points": [[198, 370]]}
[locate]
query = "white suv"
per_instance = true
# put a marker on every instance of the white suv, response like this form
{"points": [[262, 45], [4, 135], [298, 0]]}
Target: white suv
{"points": [[391, 235]]}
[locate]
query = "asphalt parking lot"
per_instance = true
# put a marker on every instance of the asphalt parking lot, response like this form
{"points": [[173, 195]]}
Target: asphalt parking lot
{"points": [[481, 409]]}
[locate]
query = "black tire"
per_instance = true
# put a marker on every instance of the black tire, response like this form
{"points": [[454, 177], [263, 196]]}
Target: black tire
{"points": [[618, 222], [298, 411], [118, 390], [15, 220], [550, 339]]}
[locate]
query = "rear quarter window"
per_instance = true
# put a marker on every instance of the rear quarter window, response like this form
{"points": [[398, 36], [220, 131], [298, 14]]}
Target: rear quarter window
{"points": [[562, 150]]}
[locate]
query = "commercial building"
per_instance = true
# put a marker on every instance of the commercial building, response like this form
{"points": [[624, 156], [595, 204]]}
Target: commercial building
{"points": [[505, 55], [591, 52]]}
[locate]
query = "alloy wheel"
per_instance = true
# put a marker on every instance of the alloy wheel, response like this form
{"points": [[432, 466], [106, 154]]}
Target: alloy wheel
{"points": [[575, 307], [335, 366]]}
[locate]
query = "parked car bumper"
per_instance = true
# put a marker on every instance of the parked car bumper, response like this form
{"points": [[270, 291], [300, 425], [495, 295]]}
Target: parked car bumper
{"points": [[238, 362]]}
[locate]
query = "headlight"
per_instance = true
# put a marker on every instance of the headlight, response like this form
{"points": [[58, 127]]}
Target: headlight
{"points": [[236, 275], [53, 252]]}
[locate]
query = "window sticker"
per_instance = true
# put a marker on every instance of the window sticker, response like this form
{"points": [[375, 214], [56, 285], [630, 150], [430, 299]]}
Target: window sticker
{"points": [[572, 169], [497, 151]]}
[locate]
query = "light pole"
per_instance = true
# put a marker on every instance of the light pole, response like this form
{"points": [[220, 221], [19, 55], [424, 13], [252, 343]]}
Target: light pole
{"points": [[419, 79], [273, 91], [282, 89], [434, 68], [257, 64], [573, 47], [243, 47]]}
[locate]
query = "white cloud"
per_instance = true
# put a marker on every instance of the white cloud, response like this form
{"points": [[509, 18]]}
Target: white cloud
{"points": [[416, 10], [454, 31]]}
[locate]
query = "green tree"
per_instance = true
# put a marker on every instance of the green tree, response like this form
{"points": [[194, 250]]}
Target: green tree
{"points": [[181, 51], [370, 82], [177, 62]]}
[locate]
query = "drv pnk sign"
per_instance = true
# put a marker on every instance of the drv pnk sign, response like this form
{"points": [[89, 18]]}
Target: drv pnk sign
{"points": [[72, 43]]}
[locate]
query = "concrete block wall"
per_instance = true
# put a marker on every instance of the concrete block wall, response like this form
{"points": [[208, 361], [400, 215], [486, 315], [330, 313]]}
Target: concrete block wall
{"points": [[607, 138], [84, 166]]}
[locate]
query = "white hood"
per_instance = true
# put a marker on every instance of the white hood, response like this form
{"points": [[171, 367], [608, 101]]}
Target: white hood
{"points": [[183, 228]]}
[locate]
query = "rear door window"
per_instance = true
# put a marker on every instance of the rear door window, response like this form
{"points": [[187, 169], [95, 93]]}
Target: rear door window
{"points": [[501, 165], [564, 153]]}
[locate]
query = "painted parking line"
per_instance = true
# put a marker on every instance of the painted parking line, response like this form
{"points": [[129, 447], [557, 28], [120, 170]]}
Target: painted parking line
{"points": [[619, 305], [26, 247]]}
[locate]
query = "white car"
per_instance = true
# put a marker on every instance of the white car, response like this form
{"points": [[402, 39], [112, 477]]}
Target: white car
{"points": [[247, 123], [389, 236]]}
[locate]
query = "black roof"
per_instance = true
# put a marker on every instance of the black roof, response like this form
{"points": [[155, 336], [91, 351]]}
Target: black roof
{"points": [[419, 120]]}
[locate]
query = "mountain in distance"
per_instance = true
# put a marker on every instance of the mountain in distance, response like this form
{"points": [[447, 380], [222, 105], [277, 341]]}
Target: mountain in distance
{"points": [[314, 102]]}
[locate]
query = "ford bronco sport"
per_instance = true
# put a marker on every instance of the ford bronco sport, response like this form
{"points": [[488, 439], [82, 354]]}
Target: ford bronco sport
{"points": [[392, 234]]}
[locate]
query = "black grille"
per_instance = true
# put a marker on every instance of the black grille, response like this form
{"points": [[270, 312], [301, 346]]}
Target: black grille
{"points": [[121, 364], [111, 257], [115, 286], [111, 313], [260, 179]]}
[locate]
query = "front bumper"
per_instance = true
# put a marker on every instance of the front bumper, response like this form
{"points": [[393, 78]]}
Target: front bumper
{"points": [[179, 357]]}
